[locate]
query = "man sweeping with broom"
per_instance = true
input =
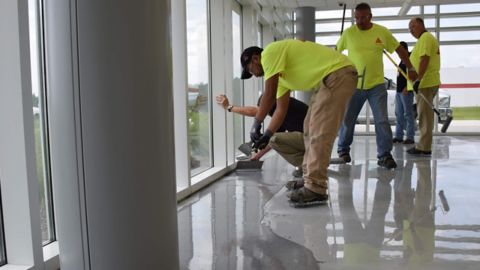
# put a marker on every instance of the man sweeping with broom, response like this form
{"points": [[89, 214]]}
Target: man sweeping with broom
{"points": [[425, 58]]}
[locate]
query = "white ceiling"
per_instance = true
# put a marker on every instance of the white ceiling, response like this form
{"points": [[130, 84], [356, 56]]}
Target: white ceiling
{"points": [[334, 4]]}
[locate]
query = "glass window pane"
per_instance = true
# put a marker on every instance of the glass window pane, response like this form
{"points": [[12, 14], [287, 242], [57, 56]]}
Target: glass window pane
{"points": [[237, 85], [460, 89], [456, 8], [407, 37], [390, 11], [429, 23], [460, 36], [326, 27], [394, 24], [464, 21], [199, 118], [461, 56], [429, 9], [329, 14], [40, 130], [415, 10], [327, 40]]}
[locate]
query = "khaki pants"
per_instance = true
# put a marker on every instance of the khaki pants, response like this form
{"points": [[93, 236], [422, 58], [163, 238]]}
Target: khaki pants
{"points": [[290, 146], [324, 116], [425, 118]]}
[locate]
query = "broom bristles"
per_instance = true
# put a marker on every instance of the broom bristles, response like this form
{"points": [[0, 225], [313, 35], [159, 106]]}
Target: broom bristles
{"points": [[446, 124]]}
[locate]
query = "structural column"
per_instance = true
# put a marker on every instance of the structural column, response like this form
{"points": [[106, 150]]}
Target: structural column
{"points": [[109, 92], [305, 30]]}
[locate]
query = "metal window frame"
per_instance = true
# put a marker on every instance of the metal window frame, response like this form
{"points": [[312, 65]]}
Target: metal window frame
{"points": [[3, 253]]}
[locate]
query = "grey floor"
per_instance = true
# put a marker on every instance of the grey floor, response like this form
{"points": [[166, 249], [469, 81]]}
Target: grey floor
{"points": [[378, 219]]}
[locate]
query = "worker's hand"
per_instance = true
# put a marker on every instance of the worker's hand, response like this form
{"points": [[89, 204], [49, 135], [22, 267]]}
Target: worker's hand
{"points": [[412, 75], [260, 154], [223, 101], [416, 84], [255, 130], [405, 91], [263, 141]]}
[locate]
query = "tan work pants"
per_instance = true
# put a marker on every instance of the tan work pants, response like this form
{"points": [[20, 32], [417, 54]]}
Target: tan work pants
{"points": [[290, 146], [425, 118], [324, 116]]}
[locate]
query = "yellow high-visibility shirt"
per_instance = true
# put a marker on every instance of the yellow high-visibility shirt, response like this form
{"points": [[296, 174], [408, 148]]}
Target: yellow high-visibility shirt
{"points": [[427, 45], [365, 49], [301, 65]]}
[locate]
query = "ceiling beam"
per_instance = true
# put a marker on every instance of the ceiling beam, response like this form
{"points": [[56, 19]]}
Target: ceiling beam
{"points": [[405, 8]]}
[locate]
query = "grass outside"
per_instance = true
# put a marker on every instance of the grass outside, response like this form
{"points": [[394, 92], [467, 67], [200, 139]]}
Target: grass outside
{"points": [[39, 157], [466, 113]]}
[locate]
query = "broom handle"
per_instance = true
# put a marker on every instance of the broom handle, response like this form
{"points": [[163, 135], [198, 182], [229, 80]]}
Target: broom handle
{"points": [[343, 18], [449, 119], [406, 77], [398, 67]]}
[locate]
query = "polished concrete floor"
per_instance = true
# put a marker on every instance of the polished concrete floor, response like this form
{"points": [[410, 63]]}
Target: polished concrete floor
{"points": [[423, 215]]}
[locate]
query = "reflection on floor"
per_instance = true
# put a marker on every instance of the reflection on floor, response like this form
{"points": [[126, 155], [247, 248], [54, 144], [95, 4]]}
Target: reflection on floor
{"points": [[423, 215]]}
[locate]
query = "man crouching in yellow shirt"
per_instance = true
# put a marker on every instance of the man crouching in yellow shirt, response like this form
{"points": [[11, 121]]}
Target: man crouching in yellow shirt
{"points": [[304, 66]]}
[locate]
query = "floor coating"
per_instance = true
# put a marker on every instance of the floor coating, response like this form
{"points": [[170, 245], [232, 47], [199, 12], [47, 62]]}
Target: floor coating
{"points": [[422, 215]]}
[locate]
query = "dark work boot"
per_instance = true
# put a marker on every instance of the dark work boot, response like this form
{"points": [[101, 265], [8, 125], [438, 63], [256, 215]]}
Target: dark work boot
{"points": [[294, 184], [304, 197], [387, 162], [298, 172], [346, 157], [395, 140], [417, 152], [408, 141]]}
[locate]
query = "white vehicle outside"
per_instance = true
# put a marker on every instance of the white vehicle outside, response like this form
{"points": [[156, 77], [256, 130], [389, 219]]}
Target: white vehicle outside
{"points": [[443, 105]]}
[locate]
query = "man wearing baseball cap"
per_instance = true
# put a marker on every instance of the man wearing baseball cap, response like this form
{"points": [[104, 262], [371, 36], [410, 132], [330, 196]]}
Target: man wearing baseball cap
{"points": [[289, 65]]}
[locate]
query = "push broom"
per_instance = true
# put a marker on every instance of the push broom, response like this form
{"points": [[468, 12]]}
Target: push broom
{"points": [[449, 119]]}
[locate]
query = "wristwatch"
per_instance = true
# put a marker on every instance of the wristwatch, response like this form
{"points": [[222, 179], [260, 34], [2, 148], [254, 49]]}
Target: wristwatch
{"points": [[229, 108]]}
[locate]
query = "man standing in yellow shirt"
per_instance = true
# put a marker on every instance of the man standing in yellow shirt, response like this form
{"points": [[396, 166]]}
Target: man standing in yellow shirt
{"points": [[425, 58], [365, 42], [306, 66]]}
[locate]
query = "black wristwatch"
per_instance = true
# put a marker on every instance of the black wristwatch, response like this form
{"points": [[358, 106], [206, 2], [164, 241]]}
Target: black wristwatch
{"points": [[229, 108]]}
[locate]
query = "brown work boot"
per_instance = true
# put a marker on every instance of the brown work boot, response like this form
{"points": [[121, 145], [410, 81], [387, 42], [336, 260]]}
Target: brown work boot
{"points": [[294, 184], [306, 196], [298, 172]]}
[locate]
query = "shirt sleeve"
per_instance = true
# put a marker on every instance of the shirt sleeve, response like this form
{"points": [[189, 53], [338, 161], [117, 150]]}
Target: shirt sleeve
{"points": [[391, 43], [281, 91], [341, 43], [273, 60]]}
